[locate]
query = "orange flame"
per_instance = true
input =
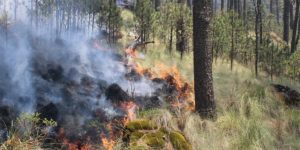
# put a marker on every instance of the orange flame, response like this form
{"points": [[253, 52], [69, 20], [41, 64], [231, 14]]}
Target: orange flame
{"points": [[131, 52], [72, 145], [173, 76], [130, 108], [108, 143]]}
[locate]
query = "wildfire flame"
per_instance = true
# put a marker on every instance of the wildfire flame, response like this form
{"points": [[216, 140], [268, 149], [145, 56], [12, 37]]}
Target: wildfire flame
{"points": [[170, 74], [108, 143], [130, 108], [131, 52], [72, 145]]}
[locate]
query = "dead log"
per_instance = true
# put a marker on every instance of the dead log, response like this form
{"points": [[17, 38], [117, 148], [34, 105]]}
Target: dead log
{"points": [[291, 97], [133, 46]]}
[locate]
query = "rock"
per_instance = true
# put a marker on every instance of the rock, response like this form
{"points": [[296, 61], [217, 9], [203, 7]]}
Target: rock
{"points": [[52, 73], [290, 96], [7, 115], [156, 140], [116, 94], [133, 75], [140, 125], [179, 142], [148, 102], [3, 135], [49, 112]]}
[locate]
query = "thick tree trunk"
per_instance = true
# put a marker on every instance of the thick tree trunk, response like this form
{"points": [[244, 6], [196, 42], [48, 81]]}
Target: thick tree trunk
{"points": [[286, 21], [204, 94], [295, 27]]}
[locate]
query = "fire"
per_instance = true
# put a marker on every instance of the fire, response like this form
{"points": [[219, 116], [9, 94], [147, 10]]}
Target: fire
{"points": [[72, 145], [131, 52], [108, 143], [172, 76], [130, 108]]}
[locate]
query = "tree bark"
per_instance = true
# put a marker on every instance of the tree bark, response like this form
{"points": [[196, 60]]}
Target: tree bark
{"points": [[295, 27], [291, 15], [277, 11], [204, 94], [286, 21], [222, 5], [257, 34], [245, 12], [232, 42], [271, 6]]}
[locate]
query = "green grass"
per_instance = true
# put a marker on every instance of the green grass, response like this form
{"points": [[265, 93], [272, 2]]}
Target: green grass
{"points": [[249, 115]]}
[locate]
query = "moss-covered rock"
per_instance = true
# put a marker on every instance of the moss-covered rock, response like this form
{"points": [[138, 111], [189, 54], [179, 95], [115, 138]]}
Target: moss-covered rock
{"points": [[155, 139], [143, 135], [179, 142], [136, 135], [140, 125], [139, 147]]}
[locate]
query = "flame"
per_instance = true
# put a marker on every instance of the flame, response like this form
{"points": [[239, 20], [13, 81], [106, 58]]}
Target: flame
{"points": [[72, 145], [131, 52], [130, 108], [172, 76], [108, 143]]}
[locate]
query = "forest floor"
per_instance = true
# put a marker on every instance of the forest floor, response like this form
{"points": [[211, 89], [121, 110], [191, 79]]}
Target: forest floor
{"points": [[250, 114]]}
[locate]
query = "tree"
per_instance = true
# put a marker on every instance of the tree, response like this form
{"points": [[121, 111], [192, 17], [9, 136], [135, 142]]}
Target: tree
{"points": [[143, 15], [181, 41], [286, 22], [295, 27], [277, 11], [204, 94]]}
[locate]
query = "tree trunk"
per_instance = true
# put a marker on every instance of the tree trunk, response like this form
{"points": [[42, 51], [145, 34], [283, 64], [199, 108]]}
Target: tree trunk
{"points": [[180, 31], [36, 14], [157, 4], [295, 27], [171, 40], [222, 5], [277, 11], [271, 6], [291, 15], [260, 21], [286, 21], [15, 9], [232, 42], [204, 94], [257, 37], [245, 12]]}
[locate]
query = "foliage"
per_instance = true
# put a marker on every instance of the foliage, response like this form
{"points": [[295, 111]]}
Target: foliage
{"points": [[165, 21], [143, 17], [28, 132]]}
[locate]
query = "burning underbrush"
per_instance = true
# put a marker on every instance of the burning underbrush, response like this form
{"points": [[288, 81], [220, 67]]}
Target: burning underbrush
{"points": [[91, 93]]}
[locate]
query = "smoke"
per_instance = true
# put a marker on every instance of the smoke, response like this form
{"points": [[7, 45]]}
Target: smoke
{"points": [[38, 69], [15, 76], [64, 77]]}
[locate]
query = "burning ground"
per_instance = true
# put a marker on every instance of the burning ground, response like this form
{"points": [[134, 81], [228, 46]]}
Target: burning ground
{"points": [[92, 93]]}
